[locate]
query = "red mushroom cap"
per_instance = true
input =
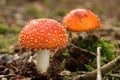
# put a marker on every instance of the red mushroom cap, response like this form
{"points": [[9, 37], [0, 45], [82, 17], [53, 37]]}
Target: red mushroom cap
{"points": [[42, 34], [81, 20]]}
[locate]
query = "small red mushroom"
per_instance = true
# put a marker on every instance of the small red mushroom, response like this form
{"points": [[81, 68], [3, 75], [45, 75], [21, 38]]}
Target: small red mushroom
{"points": [[43, 35], [80, 20]]}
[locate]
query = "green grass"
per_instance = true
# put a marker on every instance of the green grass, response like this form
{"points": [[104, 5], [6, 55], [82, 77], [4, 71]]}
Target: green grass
{"points": [[4, 46], [6, 42], [4, 28], [62, 64]]}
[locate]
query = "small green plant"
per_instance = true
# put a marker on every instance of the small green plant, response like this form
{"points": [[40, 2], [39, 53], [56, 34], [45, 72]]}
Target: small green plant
{"points": [[66, 53], [89, 67], [62, 64]]}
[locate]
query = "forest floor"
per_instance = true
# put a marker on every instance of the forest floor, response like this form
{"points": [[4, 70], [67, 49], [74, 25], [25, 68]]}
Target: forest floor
{"points": [[18, 64]]}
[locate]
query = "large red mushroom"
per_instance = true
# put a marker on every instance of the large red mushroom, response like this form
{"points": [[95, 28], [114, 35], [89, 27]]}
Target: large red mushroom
{"points": [[43, 35]]}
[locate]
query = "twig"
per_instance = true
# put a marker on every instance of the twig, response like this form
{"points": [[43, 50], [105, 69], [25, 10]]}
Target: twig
{"points": [[24, 61], [98, 64], [8, 75], [54, 53], [104, 69], [113, 75], [85, 50]]}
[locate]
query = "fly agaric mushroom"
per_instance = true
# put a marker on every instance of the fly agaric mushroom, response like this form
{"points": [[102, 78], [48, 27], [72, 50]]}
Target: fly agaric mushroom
{"points": [[43, 35], [80, 20]]}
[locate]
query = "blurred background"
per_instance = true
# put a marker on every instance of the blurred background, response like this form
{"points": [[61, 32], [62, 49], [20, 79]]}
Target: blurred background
{"points": [[15, 13]]}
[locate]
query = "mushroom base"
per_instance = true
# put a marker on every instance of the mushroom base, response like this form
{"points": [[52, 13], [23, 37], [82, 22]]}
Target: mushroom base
{"points": [[42, 60]]}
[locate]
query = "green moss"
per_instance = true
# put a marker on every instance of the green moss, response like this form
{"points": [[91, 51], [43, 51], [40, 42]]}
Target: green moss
{"points": [[107, 51], [107, 47], [89, 44]]}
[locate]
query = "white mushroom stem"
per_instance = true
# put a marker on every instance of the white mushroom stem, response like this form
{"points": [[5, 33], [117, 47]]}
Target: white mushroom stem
{"points": [[42, 60]]}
